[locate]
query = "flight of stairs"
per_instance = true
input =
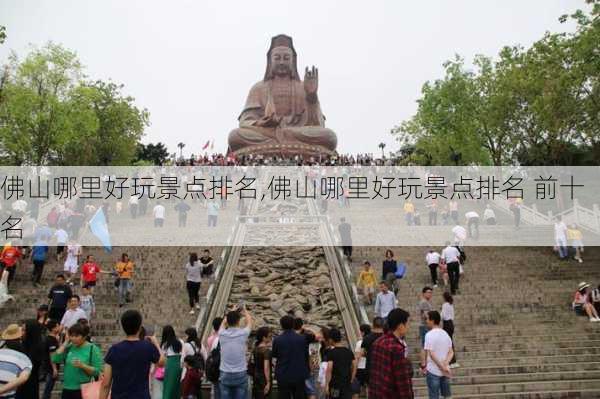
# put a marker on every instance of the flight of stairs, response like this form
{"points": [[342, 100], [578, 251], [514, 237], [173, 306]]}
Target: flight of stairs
{"points": [[516, 335]]}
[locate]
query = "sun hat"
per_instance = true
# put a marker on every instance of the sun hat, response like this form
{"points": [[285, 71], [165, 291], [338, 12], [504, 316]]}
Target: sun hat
{"points": [[583, 285], [13, 331]]}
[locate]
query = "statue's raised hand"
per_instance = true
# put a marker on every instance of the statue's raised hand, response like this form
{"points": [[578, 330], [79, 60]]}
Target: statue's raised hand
{"points": [[311, 81]]}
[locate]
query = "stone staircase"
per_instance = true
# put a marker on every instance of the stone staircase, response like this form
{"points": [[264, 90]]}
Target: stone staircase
{"points": [[516, 336], [159, 292]]}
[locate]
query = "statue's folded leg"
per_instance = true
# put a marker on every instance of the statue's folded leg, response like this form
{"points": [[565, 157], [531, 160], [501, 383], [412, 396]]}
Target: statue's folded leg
{"points": [[245, 137], [313, 135]]}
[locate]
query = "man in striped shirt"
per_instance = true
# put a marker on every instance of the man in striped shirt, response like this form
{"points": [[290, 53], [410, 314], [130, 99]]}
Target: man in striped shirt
{"points": [[15, 367]]}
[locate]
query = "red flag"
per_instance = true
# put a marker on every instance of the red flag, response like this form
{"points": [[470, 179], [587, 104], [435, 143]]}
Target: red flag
{"points": [[206, 145]]}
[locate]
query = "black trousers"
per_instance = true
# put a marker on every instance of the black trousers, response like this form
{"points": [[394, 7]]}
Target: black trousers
{"points": [[448, 326], [433, 218], [193, 290], [38, 270], [347, 249], [56, 313], [454, 275], [433, 270], [289, 390], [71, 394]]}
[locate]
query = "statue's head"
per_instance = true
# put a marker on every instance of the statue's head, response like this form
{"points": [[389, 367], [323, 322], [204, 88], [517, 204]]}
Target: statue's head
{"points": [[281, 58]]}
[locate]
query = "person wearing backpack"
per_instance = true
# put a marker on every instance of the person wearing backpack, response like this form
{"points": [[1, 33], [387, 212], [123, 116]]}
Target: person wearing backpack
{"points": [[192, 347], [262, 365], [213, 358], [191, 385]]}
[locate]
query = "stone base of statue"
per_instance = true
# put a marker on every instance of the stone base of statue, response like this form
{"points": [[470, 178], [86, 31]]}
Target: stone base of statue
{"points": [[285, 150]]}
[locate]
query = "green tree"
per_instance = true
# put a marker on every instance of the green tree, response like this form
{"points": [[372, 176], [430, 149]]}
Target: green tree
{"points": [[49, 113], [154, 154], [2, 34]]}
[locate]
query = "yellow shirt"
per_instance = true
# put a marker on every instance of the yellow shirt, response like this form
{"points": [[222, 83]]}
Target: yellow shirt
{"points": [[574, 234], [409, 207], [366, 278], [125, 270]]}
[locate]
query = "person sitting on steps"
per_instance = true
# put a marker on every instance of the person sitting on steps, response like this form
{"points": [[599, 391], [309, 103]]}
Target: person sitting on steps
{"points": [[582, 303]]}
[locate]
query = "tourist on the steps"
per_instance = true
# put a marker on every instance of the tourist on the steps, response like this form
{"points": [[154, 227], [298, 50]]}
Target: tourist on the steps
{"points": [[341, 368], [193, 277], [423, 307], [367, 343], [388, 271], [15, 364], [451, 257], [290, 351], [346, 238], [576, 241], [262, 375], [472, 219], [515, 208], [39, 255], [489, 216], [159, 214], [72, 260], [34, 347], [52, 344], [448, 322], [207, 263], [124, 269], [82, 361], [385, 302], [433, 211], [560, 238], [432, 259], [212, 212], [582, 303], [367, 281], [233, 340], [59, 298], [390, 374], [416, 217], [182, 208], [212, 343], [42, 315], [596, 298], [9, 257], [191, 384], [171, 346], [87, 303], [128, 362], [192, 346], [89, 273], [73, 313], [435, 358], [133, 206], [360, 380], [453, 208], [409, 212]]}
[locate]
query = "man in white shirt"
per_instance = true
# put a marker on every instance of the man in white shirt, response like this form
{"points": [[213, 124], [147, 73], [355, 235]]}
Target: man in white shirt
{"points": [[385, 302], [472, 224], [436, 356], [433, 261], [159, 215], [489, 216], [73, 313], [560, 237], [460, 234], [451, 256]]}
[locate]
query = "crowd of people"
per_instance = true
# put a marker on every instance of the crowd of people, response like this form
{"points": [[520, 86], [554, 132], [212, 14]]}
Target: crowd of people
{"points": [[218, 159]]}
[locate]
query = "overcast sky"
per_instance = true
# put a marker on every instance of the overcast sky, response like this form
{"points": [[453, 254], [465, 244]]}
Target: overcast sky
{"points": [[191, 63]]}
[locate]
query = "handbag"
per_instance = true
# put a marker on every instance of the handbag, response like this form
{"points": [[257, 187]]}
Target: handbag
{"points": [[159, 373], [117, 282], [461, 270], [91, 390]]}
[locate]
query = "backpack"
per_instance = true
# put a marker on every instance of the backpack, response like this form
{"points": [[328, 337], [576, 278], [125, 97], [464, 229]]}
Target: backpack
{"points": [[400, 270], [198, 359], [463, 255], [213, 363]]}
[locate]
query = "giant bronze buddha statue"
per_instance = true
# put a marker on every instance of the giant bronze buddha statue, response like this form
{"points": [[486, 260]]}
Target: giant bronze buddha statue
{"points": [[282, 114]]}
